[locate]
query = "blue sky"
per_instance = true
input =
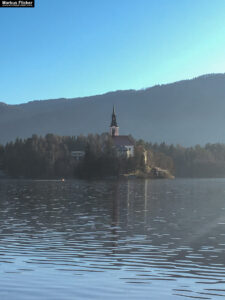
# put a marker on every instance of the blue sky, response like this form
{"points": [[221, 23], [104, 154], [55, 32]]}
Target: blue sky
{"points": [[73, 48]]}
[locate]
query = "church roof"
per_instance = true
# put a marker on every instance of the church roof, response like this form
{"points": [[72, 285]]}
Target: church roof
{"points": [[122, 140]]}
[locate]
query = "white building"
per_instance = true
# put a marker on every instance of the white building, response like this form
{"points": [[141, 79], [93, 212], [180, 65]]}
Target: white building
{"points": [[78, 154]]}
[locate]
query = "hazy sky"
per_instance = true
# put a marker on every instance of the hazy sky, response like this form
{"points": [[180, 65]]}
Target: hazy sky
{"points": [[84, 47]]}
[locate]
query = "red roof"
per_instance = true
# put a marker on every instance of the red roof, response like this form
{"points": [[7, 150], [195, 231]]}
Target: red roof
{"points": [[122, 140]]}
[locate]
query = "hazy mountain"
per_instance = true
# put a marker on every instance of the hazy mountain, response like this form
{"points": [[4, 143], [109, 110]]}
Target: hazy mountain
{"points": [[186, 112]]}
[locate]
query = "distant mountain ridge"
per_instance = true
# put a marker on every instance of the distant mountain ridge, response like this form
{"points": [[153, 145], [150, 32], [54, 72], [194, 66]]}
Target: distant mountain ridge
{"points": [[186, 112]]}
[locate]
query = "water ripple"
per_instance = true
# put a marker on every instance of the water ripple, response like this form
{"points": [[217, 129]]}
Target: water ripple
{"points": [[123, 238]]}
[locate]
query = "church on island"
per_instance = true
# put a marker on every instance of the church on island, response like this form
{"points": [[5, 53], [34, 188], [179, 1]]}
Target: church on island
{"points": [[123, 143]]}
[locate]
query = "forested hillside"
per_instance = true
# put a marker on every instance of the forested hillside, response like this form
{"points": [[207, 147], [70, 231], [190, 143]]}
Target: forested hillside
{"points": [[188, 112]]}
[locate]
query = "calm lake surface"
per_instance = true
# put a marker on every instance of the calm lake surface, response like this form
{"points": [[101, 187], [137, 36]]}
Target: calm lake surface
{"points": [[137, 239]]}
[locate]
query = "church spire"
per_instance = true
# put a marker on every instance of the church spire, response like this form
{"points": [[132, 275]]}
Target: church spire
{"points": [[114, 123], [114, 129]]}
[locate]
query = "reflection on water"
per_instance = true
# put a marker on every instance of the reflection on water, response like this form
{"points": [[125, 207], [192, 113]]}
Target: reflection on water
{"points": [[112, 240]]}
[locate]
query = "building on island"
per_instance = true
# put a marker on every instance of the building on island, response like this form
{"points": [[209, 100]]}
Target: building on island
{"points": [[78, 154], [123, 143]]}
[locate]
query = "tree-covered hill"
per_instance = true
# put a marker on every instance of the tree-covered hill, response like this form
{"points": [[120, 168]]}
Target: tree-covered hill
{"points": [[187, 112]]}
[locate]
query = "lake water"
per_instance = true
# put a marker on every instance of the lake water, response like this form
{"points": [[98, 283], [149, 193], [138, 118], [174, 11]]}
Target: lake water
{"points": [[137, 239]]}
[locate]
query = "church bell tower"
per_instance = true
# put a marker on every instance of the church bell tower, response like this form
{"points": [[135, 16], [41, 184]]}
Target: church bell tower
{"points": [[114, 129]]}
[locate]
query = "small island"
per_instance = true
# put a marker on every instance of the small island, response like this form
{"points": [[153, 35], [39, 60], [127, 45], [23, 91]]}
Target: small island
{"points": [[107, 155], [90, 157]]}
